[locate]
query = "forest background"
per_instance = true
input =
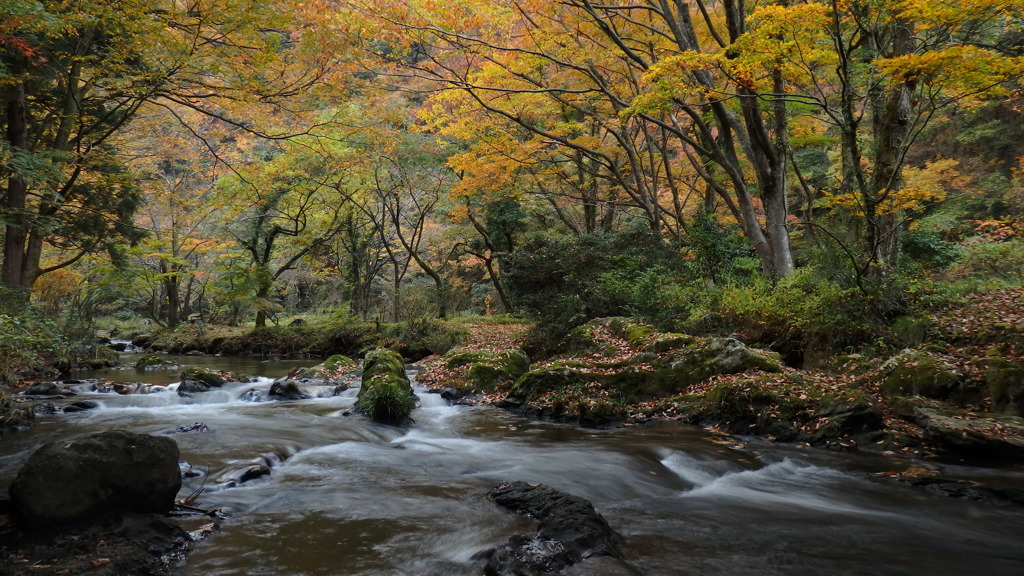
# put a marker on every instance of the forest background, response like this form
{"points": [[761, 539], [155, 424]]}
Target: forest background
{"points": [[815, 177]]}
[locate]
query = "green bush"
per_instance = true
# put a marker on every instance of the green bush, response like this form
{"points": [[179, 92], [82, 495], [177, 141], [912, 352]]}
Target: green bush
{"points": [[803, 311], [563, 281], [422, 337]]}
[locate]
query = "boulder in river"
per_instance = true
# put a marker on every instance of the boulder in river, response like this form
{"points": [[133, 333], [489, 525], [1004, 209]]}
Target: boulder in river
{"points": [[12, 415], [68, 482], [286, 389], [570, 531], [385, 394]]}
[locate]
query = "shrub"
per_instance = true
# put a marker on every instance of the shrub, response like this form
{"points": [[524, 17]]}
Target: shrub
{"points": [[422, 337]]}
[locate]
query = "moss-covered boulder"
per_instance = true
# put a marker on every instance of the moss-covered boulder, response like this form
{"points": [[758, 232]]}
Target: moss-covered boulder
{"points": [[385, 394], [747, 408], [606, 336], [707, 357], [195, 379], [332, 368], [588, 389], [973, 437], [154, 362], [211, 378], [102, 357], [850, 414], [13, 416], [535, 383], [484, 371], [387, 398], [383, 361], [1005, 381], [919, 373]]}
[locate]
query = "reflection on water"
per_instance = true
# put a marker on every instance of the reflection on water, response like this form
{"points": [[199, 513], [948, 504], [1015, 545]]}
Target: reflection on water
{"points": [[348, 496], [242, 365]]}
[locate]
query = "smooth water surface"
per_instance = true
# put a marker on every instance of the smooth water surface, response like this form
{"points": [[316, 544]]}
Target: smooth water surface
{"points": [[348, 496]]}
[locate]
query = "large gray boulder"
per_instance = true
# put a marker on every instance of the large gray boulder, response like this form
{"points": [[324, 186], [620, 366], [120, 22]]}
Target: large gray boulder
{"points": [[68, 482]]}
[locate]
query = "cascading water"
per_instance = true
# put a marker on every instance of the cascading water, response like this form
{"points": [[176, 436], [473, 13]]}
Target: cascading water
{"points": [[348, 496]]}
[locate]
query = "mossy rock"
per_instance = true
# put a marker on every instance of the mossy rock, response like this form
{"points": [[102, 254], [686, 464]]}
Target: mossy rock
{"points": [[630, 330], [385, 395], [332, 368], [1005, 381], [586, 340], [386, 398], [917, 373], [383, 361], [537, 382], [12, 415], [153, 361], [488, 369], [995, 438], [340, 362], [852, 413], [709, 357], [211, 378], [751, 409], [669, 341], [102, 357]]}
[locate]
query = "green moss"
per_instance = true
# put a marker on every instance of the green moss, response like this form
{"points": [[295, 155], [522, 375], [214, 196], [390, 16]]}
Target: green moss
{"points": [[669, 341], [912, 372], [1005, 380], [386, 398], [537, 382], [12, 415], [339, 362], [204, 375], [383, 361], [750, 409], [151, 361]]}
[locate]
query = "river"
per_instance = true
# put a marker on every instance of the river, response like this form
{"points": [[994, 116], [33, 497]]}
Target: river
{"points": [[348, 496]]}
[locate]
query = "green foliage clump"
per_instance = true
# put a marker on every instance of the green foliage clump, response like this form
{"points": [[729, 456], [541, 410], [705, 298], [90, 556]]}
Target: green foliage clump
{"points": [[803, 311], [561, 281], [33, 343], [386, 398], [422, 337]]}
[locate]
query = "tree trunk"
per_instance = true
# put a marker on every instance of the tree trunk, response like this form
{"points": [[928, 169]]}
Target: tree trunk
{"points": [[16, 230]]}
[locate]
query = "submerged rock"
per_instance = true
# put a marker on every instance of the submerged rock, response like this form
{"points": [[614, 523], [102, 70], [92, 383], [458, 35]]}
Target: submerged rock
{"points": [[67, 482], [570, 531]]}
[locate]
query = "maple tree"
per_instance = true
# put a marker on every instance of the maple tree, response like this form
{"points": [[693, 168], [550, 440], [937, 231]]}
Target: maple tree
{"points": [[573, 77], [874, 75], [74, 74]]}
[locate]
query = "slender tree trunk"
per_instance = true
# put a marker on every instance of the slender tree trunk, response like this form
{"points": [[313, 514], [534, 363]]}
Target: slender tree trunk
{"points": [[17, 190]]}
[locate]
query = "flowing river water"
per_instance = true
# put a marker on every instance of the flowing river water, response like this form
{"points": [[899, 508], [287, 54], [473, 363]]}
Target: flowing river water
{"points": [[349, 496]]}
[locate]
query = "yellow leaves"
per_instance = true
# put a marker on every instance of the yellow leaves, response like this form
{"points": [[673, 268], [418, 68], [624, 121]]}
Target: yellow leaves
{"points": [[961, 72], [954, 16], [922, 186], [671, 79]]}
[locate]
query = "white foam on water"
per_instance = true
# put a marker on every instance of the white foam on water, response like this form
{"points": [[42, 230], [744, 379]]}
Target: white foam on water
{"points": [[780, 484]]}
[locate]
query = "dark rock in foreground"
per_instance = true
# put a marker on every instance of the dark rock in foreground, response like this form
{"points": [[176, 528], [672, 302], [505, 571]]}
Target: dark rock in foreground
{"points": [[128, 545], [570, 532], [70, 482]]}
